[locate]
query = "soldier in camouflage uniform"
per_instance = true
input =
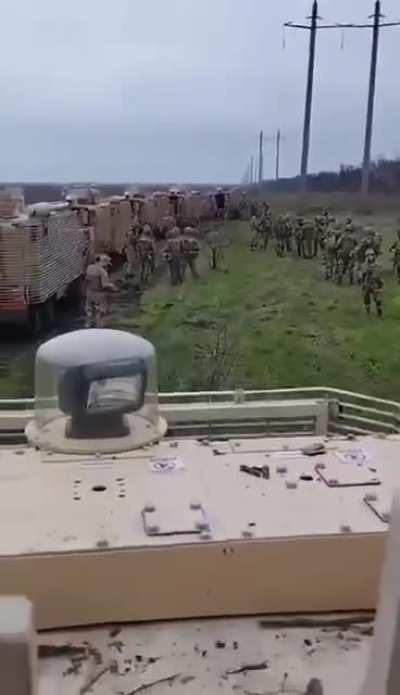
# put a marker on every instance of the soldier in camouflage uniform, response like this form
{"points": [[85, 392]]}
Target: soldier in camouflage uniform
{"points": [[320, 232], [330, 254], [287, 232], [262, 232], [345, 248], [131, 246], [254, 222], [173, 256], [298, 234], [98, 288], [372, 283], [190, 250], [244, 211], [395, 250], [168, 222], [146, 251], [266, 226], [359, 260], [308, 240], [378, 243], [279, 233]]}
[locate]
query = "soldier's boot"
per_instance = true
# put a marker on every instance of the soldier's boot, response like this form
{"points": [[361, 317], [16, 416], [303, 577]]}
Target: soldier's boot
{"points": [[367, 304], [379, 309]]}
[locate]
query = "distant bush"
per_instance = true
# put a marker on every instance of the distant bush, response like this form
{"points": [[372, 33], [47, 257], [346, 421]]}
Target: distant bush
{"points": [[385, 179]]}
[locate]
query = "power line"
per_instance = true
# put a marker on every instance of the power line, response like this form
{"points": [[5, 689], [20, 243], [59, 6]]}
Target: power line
{"points": [[313, 27]]}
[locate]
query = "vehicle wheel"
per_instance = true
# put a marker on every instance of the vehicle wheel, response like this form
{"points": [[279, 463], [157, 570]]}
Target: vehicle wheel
{"points": [[36, 323], [48, 313], [75, 292]]}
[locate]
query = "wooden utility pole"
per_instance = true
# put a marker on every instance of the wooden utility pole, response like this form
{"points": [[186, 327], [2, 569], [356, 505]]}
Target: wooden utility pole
{"points": [[309, 96], [313, 28], [279, 139], [371, 100], [261, 159]]}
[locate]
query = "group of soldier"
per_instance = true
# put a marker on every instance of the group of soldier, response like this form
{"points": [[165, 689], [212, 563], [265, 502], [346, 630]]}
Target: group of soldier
{"points": [[175, 242], [180, 251], [347, 251]]}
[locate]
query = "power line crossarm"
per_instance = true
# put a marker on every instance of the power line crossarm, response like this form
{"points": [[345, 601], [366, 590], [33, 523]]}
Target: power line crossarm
{"points": [[291, 25]]}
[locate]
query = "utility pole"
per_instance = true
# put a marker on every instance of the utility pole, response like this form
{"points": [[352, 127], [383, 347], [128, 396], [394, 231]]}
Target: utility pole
{"points": [[313, 28], [371, 100], [309, 96], [251, 170], [261, 159], [278, 153]]}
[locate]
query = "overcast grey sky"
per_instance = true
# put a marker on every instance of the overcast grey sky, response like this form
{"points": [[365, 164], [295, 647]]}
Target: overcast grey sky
{"points": [[176, 90]]}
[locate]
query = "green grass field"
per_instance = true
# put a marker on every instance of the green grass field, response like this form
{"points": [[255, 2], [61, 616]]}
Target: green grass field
{"points": [[269, 322], [265, 322]]}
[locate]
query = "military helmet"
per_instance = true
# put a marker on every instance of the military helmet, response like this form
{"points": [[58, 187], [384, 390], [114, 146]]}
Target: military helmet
{"points": [[104, 259]]}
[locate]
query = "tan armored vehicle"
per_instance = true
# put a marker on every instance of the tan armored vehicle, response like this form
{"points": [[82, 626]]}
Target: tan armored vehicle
{"points": [[42, 257], [252, 524], [108, 221]]}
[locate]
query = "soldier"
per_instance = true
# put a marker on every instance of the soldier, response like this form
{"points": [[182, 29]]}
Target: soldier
{"points": [[330, 254], [372, 283], [359, 259], [98, 288], [287, 233], [320, 230], [308, 241], [328, 218], [146, 252], [220, 204], [244, 206], [395, 250], [131, 246], [345, 248], [298, 234], [378, 243], [167, 223], [254, 228], [266, 229], [190, 250], [349, 225], [173, 256], [279, 232]]}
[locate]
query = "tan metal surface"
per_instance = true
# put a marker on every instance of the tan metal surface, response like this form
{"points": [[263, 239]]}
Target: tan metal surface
{"points": [[18, 667], [383, 676], [33, 481], [202, 656], [78, 528]]}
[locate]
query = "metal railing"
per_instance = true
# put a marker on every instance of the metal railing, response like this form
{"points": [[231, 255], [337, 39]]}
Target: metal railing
{"points": [[271, 412]]}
